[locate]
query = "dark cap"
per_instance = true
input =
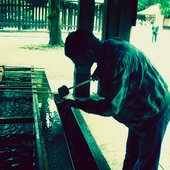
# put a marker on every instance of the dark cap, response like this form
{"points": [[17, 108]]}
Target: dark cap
{"points": [[76, 43]]}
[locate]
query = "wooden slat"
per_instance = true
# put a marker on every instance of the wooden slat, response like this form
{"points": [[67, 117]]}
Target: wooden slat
{"points": [[84, 150], [24, 119], [41, 151]]}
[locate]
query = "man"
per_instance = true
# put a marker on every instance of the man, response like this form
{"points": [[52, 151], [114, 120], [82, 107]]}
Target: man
{"points": [[132, 91]]}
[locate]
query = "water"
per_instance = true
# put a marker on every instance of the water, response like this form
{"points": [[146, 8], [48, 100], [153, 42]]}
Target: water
{"points": [[17, 140], [16, 153]]}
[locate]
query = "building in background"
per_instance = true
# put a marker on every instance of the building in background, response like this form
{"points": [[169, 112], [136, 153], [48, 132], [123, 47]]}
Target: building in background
{"points": [[153, 15]]}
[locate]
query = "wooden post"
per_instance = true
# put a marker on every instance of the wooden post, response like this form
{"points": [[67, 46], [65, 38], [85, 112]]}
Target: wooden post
{"points": [[111, 18], [85, 21], [118, 18], [127, 18], [86, 14]]}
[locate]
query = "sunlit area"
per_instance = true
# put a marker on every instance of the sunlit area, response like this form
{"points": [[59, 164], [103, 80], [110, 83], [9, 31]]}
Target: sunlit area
{"points": [[28, 46], [156, 51]]}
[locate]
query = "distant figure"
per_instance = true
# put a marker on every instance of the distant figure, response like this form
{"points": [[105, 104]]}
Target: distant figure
{"points": [[155, 30]]}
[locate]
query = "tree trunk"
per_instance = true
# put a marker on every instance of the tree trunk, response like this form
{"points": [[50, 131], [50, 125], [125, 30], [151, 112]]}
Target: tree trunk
{"points": [[54, 23]]}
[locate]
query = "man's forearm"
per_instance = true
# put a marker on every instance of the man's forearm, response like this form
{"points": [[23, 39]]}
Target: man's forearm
{"points": [[100, 107]]}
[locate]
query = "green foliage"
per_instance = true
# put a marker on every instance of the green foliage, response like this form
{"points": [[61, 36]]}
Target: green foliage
{"points": [[164, 5], [165, 8], [143, 4]]}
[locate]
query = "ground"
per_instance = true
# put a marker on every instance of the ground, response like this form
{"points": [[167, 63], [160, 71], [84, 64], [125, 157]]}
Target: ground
{"points": [[31, 49]]}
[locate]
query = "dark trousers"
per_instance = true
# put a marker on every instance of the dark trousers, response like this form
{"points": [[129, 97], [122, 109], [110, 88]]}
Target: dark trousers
{"points": [[154, 37], [144, 153]]}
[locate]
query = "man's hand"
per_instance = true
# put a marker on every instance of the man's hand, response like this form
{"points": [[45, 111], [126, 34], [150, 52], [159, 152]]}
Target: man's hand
{"points": [[63, 91], [67, 103]]}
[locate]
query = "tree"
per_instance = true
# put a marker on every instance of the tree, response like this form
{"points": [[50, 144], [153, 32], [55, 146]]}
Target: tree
{"points": [[165, 8], [54, 23], [143, 4]]}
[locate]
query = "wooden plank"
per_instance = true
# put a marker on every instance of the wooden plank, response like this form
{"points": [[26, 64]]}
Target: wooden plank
{"points": [[83, 148], [74, 26], [15, 15], [41, 151], [46, 17], [19, 14], [24, 119], [35, 16], [100, 17]]}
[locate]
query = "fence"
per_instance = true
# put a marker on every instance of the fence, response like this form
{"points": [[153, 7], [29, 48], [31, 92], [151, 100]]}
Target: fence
{"points": [[33, 14]]}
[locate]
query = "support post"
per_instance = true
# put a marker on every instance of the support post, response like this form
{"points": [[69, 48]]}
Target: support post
{"points": [[85, 21], [118, 18]]}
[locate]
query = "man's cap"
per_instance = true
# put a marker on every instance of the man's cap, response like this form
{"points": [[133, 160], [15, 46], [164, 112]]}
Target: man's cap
{"points": [[76, 43]]}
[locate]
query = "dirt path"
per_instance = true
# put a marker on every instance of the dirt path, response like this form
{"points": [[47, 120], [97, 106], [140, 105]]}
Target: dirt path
{"points": [[31, 49]]}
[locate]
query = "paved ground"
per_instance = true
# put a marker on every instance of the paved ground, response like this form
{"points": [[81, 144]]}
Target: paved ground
{"points": [[30, 49]]}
